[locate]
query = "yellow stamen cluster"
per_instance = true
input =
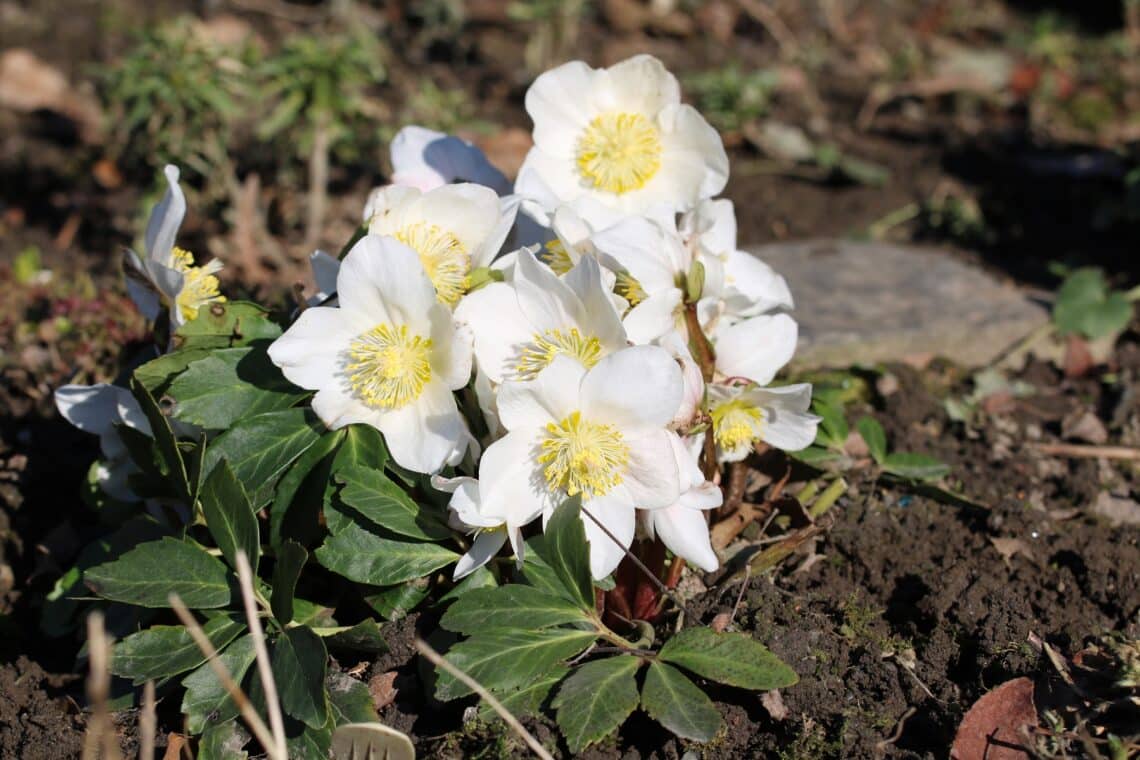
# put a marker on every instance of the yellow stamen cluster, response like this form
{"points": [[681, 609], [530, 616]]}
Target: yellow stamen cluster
{"points": [[735, 424], [387, 367], [629, 288], [619, 152], [583, 457], [540, 352], [199, 285], [444, 257], [555, 256]]}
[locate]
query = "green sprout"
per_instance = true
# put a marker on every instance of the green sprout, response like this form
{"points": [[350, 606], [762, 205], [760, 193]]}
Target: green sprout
{"points": [[174, 98], [731, 97], [318, 84]]}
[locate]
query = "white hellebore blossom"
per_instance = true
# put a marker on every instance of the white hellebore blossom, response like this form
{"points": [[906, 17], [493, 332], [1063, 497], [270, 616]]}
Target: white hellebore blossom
{"points": [[489, 533], [520, 326], [682, 526], [743, 414], [599, 434], [425, 159], [388, 357], [99, 409], [453, 228], [167, 276], [620, 136], [754, 349]]}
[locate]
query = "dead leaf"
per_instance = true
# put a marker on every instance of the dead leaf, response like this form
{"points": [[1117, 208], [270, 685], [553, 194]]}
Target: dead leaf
{"points": [[855, 447], [993, 727], [1078, 359], [383, 689], [174, 744], [1007, 547], [1083, 425], [506, 149], [774, 704], [1119, 510], [30, 84], [718, 19]]}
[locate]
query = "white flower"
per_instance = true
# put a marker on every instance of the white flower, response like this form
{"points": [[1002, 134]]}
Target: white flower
{"points": [[693, 382], [621, 136], [490, 534], [682, 526], [756, 348], [520, 326], [389, 356], [599, 434], [744, 284], [743, 414], [425, 159], [167, 276], [99, 409], [453, 228], [325, 268]]}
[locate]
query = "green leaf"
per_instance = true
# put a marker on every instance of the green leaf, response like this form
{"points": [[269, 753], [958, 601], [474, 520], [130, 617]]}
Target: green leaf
{"points": [[291, 558], [299, 659], [397, 601], [231, 384], [511, 606], [481, 577], [364, 446], [226, 325], [149, 573], [677, 703], [206, 702], [162, 651], [833, 428], [304, 742], [378, 499], [165, 442], [537, 573], [229, 517], [1087, 306], [224, 741], [260, 448], [729, 658], [365, 557], [157, 374], [349, 700], [874, 436], [365, 636], [504, 659], [529, 698], [815, 456], [564, 548], [296, 509], [596, 699], [910, 466]]}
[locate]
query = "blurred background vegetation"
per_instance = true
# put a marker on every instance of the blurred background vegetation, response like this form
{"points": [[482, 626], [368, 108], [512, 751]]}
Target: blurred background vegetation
{"points": [[1003, 130]]}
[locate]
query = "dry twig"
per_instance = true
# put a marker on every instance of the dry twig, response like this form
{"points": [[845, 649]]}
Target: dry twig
{"points": [[272, 703], [1086, 451], [436, 659], [99, 740]]}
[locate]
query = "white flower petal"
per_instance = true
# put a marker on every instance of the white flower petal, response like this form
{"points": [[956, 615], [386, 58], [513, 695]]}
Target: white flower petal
{"points": [[91, 408], [498, 326], [383, 279], [620, 519], [557, 103], [325, 268], [640, 84], [427, 159], [310, 352], [165, 219], [549, 398], [485, 546], [756, 348], [422, 434], [654, 317], [511, 486], [545, 301], [636, 388], [686, 533], [652, 478]]}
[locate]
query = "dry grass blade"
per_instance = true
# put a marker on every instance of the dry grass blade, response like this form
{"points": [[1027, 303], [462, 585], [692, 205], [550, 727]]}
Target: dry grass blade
{"points": [[1083, 451], [272, 703], [147, 723], [252, 719], [435, 658], [99, 740]]}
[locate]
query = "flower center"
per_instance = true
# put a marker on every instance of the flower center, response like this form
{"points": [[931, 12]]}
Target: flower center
{"points": [[444, 258], [583, 457], [388, 368], [735, 424], [538, 354], [627, 286], [555, 256], [199, 285], [619, 152]]}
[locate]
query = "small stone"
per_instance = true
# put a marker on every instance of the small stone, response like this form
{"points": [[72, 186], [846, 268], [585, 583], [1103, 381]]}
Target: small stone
{"points": [[871, 302]]}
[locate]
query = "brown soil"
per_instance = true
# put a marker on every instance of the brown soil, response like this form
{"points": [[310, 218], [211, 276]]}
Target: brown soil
{"points": [[37, 724]]}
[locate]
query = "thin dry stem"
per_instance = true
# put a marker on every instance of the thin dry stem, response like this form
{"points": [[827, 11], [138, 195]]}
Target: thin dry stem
{"points": [[272, 703], [252, 719], [147, 723], [435, 658], [1081, 451], [99, 739]]}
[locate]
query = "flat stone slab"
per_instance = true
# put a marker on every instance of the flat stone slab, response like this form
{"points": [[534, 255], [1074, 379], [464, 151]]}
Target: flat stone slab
{"points": [[871, 302]]}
